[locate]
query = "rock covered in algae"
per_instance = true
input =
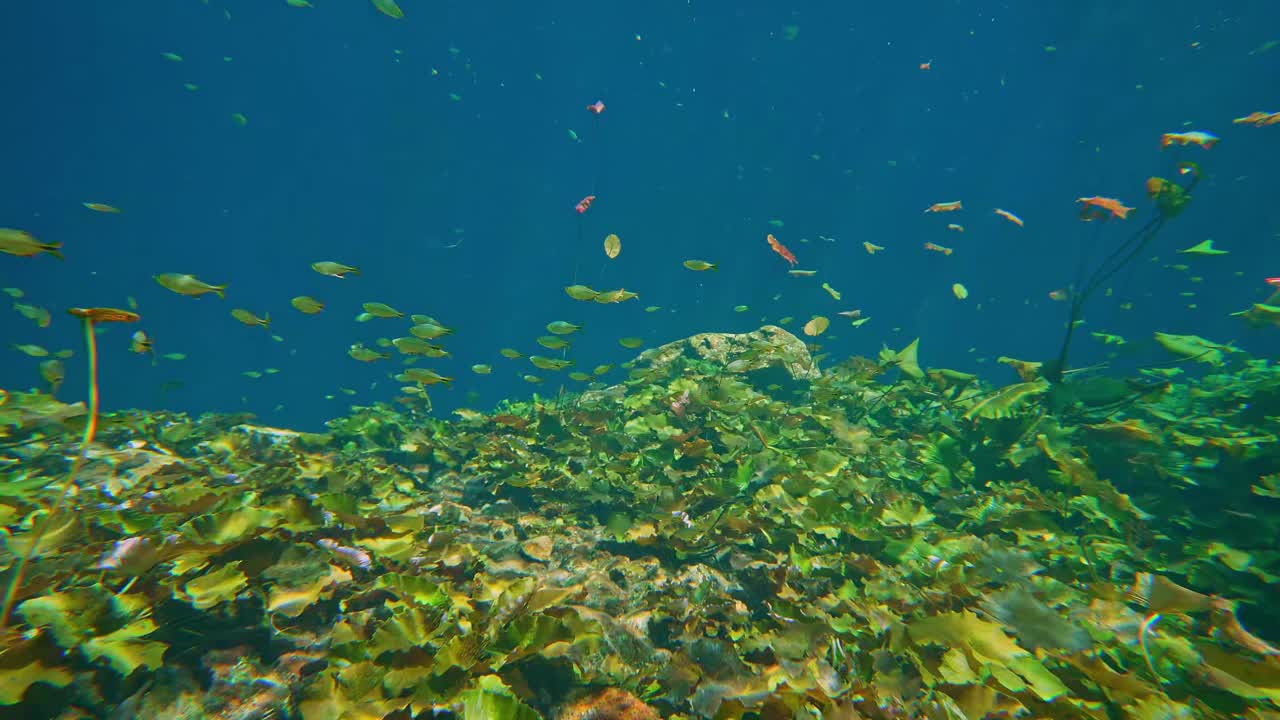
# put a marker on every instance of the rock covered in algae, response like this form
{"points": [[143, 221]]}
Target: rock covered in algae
{"points": [[770, 346], [608, 704]]}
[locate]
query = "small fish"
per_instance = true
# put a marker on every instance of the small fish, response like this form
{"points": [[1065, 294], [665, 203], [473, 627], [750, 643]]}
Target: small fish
{"points": [[631, 343], [552, 342], [580, 376], [15, 293], [188, 285], [1203, 248], [802, 273], [250, 319], [945, 207], [700, 265], [171, 57], [430, 330], [511, 354], [1009, 216], [1274, 282], [601, 369], [1193, 137], [140, 343], [532, 379], [872, 248], [382, 310], [389, 8], [1258, 119], [34, 313], [30, 350], [546, 363], [780, 249], [1059, 295], [415, 346], [955, 228], [584, 204], [596, 108], [174, 356], [615, 296], [481, 369], [741, 308], [423, 376], [816, 326], [835, 294], [334, 269], [561, 327], [102, 207], [926, 65], [581, 292], [851, 314], [240, 119], [960, 291], [307, 304], [1102, 208], [53, 373], [937, 248], [364, 354], [22, 244]]}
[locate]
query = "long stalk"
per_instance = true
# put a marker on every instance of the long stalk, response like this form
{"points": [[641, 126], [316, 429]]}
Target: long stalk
{"points": [[90, 429]]}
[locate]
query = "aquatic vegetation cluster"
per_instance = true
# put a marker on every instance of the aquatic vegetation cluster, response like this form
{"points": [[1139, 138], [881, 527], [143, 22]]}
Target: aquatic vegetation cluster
{"points": [[730, 532]]}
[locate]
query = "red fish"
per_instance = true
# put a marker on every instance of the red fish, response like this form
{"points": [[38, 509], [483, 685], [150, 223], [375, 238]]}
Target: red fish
{"points": [[596, 107], [1274, 281], [1102, 208], [584, 204], [781, 249]]}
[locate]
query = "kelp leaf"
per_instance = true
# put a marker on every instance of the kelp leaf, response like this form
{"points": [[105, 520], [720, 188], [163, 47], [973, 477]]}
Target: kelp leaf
{"points": [[1003, 402], [408, 627], [228, 527], [69, 617], [906, 513], [413, 588], [491, 699], [293, 601], [15, 681], [125, 651], [216, 587]]}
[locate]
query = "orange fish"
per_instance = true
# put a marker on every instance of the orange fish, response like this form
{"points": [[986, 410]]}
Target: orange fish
{"points": [[955, 227], [944, 207], [871, 247], [926, 65], [1101, 208], [1258, 119], [596, 107], [1058, 295], [937, 248], [1195, 137], [1009, 216], [104, 314], [781, 249], [584, 204]]}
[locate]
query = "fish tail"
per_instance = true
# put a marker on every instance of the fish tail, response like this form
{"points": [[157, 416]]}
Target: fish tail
{"points": [[53, 249], [219, 291], [266, 320]]}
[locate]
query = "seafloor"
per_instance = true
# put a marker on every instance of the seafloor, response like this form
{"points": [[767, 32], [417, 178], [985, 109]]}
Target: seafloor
{"points": [[728, 533]]}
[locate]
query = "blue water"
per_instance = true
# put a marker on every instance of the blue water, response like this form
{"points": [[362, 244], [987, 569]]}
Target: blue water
{"points": [[719, 119]]}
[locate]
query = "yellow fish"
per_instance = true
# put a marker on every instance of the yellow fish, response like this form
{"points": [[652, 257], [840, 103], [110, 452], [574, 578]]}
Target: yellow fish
{"points": [[102, 207], [184, 284], [249, 318], [22, 244]]}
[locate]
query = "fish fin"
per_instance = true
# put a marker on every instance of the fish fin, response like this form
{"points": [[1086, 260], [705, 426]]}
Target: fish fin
{"points": [[53, 250], [218, 290]]}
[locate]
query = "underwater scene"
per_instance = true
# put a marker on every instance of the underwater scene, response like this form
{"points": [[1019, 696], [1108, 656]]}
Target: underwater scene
{"points": [[410, 359]]}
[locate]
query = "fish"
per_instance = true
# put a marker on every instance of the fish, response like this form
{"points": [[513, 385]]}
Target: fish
{"points": [[249, 318], [430, 330], [584, 204], [389, 8], [780, 249], [835, 294], [415, 346], [872, 248], [615, 296], [334, 269], [424, 376], [700, 265], [561, 327], [631, 343], [364, 354], [53, 373], [36, 314], [1258, 119], [851, 314], [942, 207], [816, 326], [1009, 216], [1059, 295], [307, 304], [596, 108], [1193, 137], [960, 291], [481, 369], [510, 354], [30, 350], [188, 285], [382, 310], [140, 343], [581, 292], [926, 65], [1274, 281], [955, 228], [937, 248], [1102, 208], [102, 207], [546, 363], [802, 273], [22, 244]]}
